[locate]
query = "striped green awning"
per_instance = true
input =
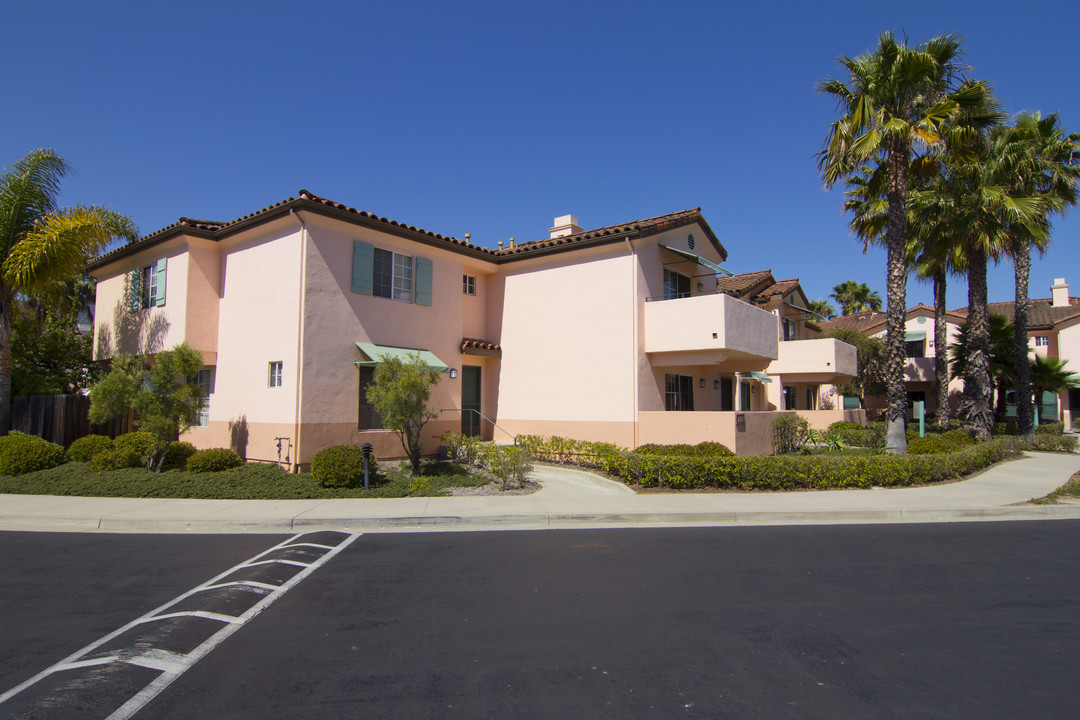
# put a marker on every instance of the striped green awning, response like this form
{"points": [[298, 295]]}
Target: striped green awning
{"points": [[758, 376], [913, 335], [699, 260], [372, 354]]}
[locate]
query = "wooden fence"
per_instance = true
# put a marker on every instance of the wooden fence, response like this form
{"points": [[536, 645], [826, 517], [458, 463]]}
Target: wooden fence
{"points": [[61, 419]]}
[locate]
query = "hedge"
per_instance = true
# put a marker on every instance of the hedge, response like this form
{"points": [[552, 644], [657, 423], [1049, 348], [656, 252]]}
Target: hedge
{"points": [[213, 460], [20, 454], [88, 446]]}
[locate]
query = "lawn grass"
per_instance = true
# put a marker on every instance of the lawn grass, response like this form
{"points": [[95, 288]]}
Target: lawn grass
{"points": [[253, 481]]}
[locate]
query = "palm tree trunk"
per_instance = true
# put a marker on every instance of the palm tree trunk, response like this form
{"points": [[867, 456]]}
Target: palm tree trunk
{"points": [[1025, 420], [941, 350], [5, 360], [897, 272], [977, 413]]}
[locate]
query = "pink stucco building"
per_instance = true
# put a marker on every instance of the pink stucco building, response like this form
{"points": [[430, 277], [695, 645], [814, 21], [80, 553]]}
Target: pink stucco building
{"points": [[630, 333]]}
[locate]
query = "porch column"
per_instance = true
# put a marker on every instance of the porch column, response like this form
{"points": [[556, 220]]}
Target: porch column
{"points": [[738, 392]]}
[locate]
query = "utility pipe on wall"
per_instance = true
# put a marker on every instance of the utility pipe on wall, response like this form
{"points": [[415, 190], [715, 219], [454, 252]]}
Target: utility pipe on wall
{"points": [[299, 340]]}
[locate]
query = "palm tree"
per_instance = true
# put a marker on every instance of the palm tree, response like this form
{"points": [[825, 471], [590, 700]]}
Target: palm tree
{"points": [[1000, 359], [1044, 163], [822, 309], [1049, 375], [897, 102], [41, 243], [855, 297]]}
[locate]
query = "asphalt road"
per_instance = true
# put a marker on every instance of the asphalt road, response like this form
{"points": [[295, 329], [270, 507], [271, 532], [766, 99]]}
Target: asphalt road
{"points": [[892, 621]]}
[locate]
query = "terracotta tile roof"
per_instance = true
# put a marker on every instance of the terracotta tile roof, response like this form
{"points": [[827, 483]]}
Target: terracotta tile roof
{"points": [[780, 287], [478, 344], [741, 284], [648, 226], [867, 321], [1042, 315], [307, 200]]}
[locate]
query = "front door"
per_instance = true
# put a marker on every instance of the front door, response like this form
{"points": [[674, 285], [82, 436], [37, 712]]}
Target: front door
{"points": [[470, 400]]}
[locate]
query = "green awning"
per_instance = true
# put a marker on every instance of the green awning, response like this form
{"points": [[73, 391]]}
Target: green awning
{"points": [[699, 260], [913, 335], [372, 352], [758, 376]]}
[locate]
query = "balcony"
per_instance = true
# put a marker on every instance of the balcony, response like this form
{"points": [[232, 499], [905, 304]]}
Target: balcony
{"points": [[822, 360], [708, 329]]}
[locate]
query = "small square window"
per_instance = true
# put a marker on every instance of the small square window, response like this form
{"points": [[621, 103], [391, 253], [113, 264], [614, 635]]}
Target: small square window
{"points": [[1042, 340], [468, 284], [275, 374]]}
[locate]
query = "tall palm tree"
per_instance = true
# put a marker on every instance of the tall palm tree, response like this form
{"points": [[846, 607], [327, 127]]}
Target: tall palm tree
{"points": [[1000, 358], [897, 102], [1044, 163], [855, 297], [41, 243]]}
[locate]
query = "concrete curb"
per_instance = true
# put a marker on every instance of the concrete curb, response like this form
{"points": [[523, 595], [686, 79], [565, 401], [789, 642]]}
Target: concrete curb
{"points": [[449, 523]]}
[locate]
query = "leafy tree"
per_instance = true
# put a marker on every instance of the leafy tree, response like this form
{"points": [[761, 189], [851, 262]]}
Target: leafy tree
{"points": [[165, 401], [51, 356], [870, 352], [855, 297], [400, 392], [1048, 375], [823, 309], [1044, 164], [41, 243], [897, 102]]}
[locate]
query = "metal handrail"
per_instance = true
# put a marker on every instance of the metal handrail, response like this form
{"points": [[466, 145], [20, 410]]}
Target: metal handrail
{"points": [[485, 417]]}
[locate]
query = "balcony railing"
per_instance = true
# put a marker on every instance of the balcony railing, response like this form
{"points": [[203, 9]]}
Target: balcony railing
{"points": [[710, 323], [824, 358]]}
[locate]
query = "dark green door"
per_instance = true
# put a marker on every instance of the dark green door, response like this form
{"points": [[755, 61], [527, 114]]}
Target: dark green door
{"points": [[470, 400]]}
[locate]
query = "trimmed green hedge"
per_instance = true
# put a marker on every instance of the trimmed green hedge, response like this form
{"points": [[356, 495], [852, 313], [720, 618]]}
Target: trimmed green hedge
{"points": [[704, 449], [88, 446], [141, 443], [20, 454], [213, 460]]}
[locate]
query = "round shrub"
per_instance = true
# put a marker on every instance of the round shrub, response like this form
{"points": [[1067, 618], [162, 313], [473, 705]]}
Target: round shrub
{"points": [[140, 443], [178, 453], [341, 466], [28, 453], [213, 460], [1050, 428], [115, 458], [88, 446], [960, 438], [930, 445]]}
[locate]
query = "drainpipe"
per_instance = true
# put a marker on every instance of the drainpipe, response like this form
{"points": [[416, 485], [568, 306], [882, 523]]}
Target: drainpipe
{"points": [[299, 339], [634, 334]]}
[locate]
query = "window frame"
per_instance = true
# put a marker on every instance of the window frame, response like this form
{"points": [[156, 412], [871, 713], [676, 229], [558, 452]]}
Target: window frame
{"points": [[271, 375], [207, 387], [1042, 340], [678, 392], [673, 283], [468, 284], [366, 416]]}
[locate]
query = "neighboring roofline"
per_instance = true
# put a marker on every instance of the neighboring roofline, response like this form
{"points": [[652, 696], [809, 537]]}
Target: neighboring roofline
{"points": [[309, 202]]}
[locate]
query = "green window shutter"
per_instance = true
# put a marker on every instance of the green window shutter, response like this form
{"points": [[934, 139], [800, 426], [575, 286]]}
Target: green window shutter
{"points": [[134, 290], [363, 260], [423, 281], [159, 286]]}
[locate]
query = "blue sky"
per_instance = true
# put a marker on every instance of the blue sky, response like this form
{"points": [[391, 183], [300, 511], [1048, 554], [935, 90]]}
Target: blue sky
{"points": [[493, 118]]}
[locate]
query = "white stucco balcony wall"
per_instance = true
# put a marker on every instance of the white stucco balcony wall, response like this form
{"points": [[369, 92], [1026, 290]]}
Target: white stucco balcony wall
{"points": [[710, 324], [824, 359]]}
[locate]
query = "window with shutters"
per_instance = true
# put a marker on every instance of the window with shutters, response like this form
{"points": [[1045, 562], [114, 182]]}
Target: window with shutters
{"points": [[146, 287], [382, 273]]}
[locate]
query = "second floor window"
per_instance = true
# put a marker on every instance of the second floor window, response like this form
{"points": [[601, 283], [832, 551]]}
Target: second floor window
{"points": [[787, 328], [915, 348], [1042, 341], [147, 286], [274, 380], [675, 285], [468, 284], [387, 274]]}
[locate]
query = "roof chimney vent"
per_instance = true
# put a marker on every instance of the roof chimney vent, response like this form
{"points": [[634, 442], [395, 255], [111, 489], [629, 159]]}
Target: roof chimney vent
{"points": [[565, 225], [1060, 293]]}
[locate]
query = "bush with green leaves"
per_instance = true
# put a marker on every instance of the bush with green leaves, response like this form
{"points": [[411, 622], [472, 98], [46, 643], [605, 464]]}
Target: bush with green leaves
{"points": [[790, 433], [178, 454], [508, 463], [461, 448], [20, 454], [342, 466], [703, 449], [88, 446], [1054, 443], [1050, 428], [139, 442], [115, 458], [213, 460], [853, 434]]}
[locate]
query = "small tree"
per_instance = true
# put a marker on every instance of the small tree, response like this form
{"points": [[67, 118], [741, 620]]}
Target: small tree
{"points": [[870, 352], [165, 402], [400, 392]]}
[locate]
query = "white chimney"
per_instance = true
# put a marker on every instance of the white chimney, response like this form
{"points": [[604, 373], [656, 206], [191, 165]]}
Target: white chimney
{"points": [[565, 225], [1060, 293]]}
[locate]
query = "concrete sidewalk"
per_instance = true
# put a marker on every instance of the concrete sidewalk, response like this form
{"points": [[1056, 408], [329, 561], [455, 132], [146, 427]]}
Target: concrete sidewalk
{"points": [[570, 499]]}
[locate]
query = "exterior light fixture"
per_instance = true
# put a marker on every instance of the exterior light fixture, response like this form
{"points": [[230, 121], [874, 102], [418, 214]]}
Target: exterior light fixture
{"points": [[715, 384], [701, 382], [453, 373]]}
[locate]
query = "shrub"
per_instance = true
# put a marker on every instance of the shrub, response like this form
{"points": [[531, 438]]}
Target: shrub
{"points": [[140, 443], [1054, 443], [419, 486], [28, 453], [960, 438], [115, 458], [790, 432], [508, 462], [341, 466], [929, 445], [1050, 428], [461, 448], [88, 446], [213, 460], [178, 454], [703, 449]]}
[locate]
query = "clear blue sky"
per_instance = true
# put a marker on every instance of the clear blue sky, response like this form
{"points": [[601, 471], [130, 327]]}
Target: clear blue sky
{"points": [[493, 118]]}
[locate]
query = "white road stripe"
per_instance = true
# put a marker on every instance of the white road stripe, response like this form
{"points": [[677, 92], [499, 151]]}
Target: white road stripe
{"points": [[172, 664]]}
